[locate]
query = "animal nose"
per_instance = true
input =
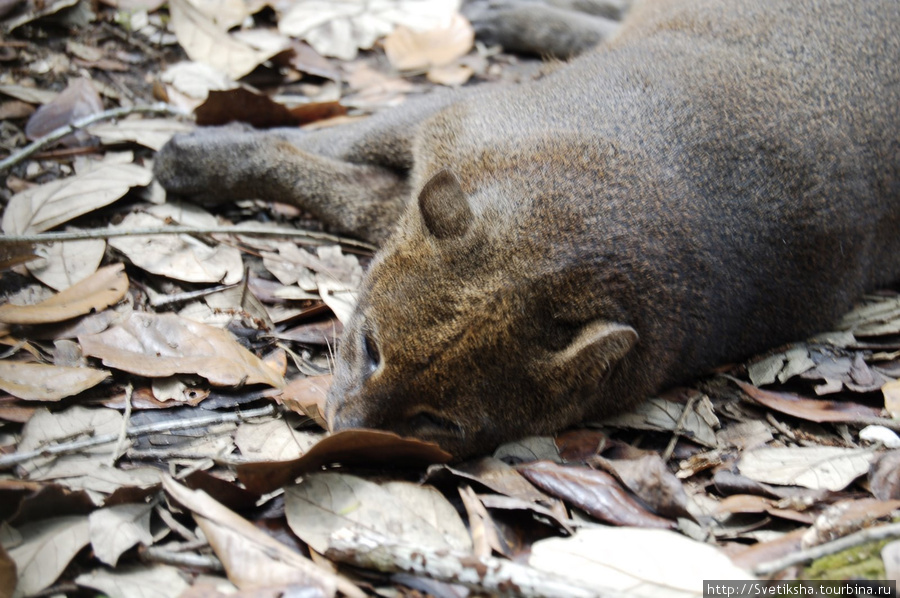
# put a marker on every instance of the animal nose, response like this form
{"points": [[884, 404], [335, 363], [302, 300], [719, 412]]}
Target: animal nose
{"points": [[341, 418]]}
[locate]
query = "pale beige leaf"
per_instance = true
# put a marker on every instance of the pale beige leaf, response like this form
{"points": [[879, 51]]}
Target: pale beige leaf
{"points": [[42, 382], [153, 581], [273, 440], [638, 562], [193, 81], [410, 514], [665, 416], [225, 14], [411, 50], [148, 132], [116, 529], [46, 206], [891, 392], [182, 257], [32, 95], [47, 548], [105, 287], [164, 345], [206, 42], [251, 557], [818, 467], [94, 475], [66, 263]]}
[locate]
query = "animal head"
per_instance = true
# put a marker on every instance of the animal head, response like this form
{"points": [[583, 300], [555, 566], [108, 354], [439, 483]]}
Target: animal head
{"points": [[456, 340]]}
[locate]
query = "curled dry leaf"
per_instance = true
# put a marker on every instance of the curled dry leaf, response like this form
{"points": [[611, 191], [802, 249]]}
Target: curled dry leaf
{"points": [[78, 99], [164, 345], [828, 467], [307, 396], [204, 41], [63, 264], [595, 492], [666, 416], [105, 287], [369, 447], [884, 477], [251, 557], [815, 410], [494, 474], [116, 529], [638, 562], [45, 206], [407, 513], [650, 479], [421, 50], [42, 382]]}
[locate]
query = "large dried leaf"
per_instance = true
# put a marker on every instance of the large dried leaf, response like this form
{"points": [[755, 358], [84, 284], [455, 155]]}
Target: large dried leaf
{"points": [[595, 492], [406, 513], [45, 206], [149, 581], [42, 382], [149, 132], [650, 479], [884, 477], [105, 287], [348, 447], [116, 529], [47, 548], [810, 409], [421, 50], [251, 557], [307, 396], [78, 99], [63, 264], [274, 440], [164, 345], [204, 41], [32, 95], [182, 257], [494, 474], [828, 467], [666, 416], [638, 562]]}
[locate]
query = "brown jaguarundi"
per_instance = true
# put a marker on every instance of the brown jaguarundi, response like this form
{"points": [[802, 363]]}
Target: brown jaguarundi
{"points": [[715, 179]]}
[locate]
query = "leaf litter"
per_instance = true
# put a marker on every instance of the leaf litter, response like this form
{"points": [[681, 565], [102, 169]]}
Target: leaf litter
{"points": [[741, 469]]}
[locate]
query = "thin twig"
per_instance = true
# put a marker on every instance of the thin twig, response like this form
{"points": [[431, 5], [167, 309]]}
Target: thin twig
{"points": [[872, 534], [679, 427], [57, 134], [181, 424], [109, 233], [182, 559], [123, 433]]}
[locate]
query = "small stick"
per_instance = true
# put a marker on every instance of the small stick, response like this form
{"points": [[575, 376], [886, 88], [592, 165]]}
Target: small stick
{"points": [[181, 424], [679, 427], [123, 433], [109, 233], [872, 534], [182, 559], [57, 134]]}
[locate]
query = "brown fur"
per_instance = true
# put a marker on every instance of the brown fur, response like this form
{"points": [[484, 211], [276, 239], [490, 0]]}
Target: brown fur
{"points": [[719, 178]]}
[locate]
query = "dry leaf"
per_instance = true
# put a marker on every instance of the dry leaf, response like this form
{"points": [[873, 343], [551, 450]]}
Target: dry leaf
{"points": [[181, 257], [46, 206], [47, 548], [164, 345], [307, 396], [639, 562], [411, 50], [105, 287], [406, 513], [204, 41], [148, 132], [595, 492], [891, 392], [652, 482], [116, 529], [665, 416], [494, 474], [348, 447], [61, 265], [810, 409], [828, 467], [273, 440], [78, 99], [42, 382], [145, 581], [32, 95], [530, 448], [884, 476]]}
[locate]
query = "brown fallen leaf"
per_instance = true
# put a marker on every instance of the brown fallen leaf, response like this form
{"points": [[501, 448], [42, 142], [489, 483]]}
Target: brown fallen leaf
{"points": [[369, 447], [749, 503], [420, 50], [884, 476], [78, 99], [493, 474], [595, 492], [650, 479], [43, 382], [307, 396], [815, 410], [158, 345], [259, 110], [105, 287]]}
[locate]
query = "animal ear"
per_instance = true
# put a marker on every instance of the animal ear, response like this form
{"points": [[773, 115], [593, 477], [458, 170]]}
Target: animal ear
{"points": [[597, 346], [444, 207]]}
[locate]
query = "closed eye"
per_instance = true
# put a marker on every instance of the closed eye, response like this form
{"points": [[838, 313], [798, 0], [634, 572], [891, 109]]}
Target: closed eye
{"points": [[371, 354]]}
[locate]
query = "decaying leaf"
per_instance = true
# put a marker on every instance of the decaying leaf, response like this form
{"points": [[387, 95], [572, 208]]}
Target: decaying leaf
{"points": [[148, 132], [641, 562], [307, 396], [116, 529], [63, 264], [650, 480], [810, 409], [411, 50], [105, 287], [46, 550], [408, 513], [273, 440], [829, 467], [347, 447], [595, 492], [42, 382], [666, 416], [46, 206], [78, 99], [204, 41], [150, 581], [884, 477], [165, 344]]}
